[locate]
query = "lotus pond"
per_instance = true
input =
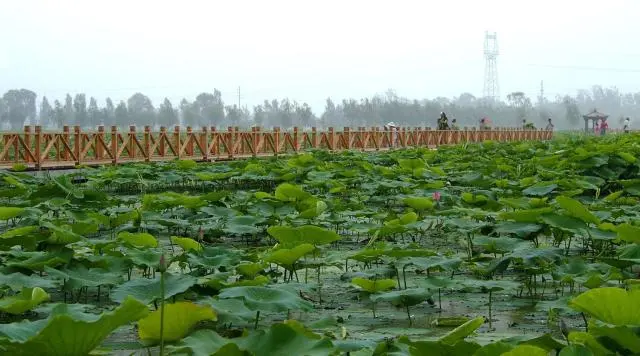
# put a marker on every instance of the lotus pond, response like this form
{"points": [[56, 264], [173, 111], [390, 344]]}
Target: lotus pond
{"points": [[527, 248]]}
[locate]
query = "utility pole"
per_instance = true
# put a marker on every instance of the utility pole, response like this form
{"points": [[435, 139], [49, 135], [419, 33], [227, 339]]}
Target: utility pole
{"points": [[238, 98], [491, 86], [541, 99]]}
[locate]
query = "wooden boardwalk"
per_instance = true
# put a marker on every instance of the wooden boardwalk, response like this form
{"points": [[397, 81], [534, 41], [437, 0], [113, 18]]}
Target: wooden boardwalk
{"points": [[72, 146]]}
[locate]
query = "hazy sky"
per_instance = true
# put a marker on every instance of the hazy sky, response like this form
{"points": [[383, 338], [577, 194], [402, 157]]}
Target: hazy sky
{"points": [[309, 50]]}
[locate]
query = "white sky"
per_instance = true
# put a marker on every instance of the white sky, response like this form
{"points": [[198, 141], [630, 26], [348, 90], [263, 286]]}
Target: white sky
{"points": [[309, 50]]}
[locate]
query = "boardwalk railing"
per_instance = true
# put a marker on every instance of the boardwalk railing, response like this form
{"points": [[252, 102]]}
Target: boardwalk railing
{"points": [[72, 146]]}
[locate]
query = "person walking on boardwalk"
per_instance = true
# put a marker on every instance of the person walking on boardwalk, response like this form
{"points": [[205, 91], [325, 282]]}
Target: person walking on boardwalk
{"points": [[443, 122], [603, 127], [393, 135], [549, 125], [627, 125], [454, 125], [484, 124]]}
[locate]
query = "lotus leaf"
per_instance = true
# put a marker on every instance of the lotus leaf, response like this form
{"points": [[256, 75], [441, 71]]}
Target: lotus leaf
{"points": [[611, 305], [148, 290], [186, 244], [266, 298], [26, 300], [526, 350], [8, 212], [65, 334], [140, 239], [577, 210], [374, 286], [179, 320]]}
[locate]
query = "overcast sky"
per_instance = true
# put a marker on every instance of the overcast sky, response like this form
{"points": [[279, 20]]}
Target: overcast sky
{"points": [[309, 50]]}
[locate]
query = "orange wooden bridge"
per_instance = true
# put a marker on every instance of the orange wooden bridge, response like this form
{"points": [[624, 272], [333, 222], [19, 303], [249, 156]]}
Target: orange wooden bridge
{"points": [[72, 146]]}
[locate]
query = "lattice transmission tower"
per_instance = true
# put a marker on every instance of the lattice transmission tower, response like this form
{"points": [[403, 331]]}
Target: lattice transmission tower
{"points": [[491, 89]]}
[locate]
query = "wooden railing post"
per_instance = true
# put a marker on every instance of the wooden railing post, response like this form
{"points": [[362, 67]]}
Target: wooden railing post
{"points": [[296, 143], [189, 143], [276, 140], [346, 132], [77, 140], [27, 144], [114, 144], [204, 143], [162, 149], [37, 149], [215, 142], [99, 139], [176, 140], [147, 143], [131, 144], [314, 137], [231, 142], [332, 139], [65, 138]]}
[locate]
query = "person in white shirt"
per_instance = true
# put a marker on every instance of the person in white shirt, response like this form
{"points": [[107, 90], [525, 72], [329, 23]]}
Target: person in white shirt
{"points": [[627, 125]]}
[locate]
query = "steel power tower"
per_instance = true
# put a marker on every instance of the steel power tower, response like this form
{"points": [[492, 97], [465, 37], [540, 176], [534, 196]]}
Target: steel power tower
{"points": [[491, 89]]}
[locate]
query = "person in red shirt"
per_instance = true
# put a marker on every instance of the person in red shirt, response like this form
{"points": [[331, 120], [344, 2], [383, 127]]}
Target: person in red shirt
{"points": [[603, 127]]}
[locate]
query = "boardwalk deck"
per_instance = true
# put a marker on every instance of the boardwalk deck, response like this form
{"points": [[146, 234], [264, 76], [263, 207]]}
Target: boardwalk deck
{"points": [[72, 146]]}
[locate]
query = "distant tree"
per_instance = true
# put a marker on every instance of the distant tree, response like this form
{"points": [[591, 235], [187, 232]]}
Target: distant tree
{"points": [[121, 115], [188, 112], [69, 111], [59, 114], [108, 113], [46, 113], [20, 105], [94, 115], [521, 103], [233, 114], [258, 116], [209, 109], [141, 110], [305, 116], [572, 112], [80, 108], [167, 115]]}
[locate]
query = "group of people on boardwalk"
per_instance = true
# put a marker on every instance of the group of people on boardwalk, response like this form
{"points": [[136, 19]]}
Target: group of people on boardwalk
{"points": [[485, 124]]}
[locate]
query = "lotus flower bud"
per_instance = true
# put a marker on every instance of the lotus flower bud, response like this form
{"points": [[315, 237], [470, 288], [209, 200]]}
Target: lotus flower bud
{"points": [[162, 266], [436, 196]]}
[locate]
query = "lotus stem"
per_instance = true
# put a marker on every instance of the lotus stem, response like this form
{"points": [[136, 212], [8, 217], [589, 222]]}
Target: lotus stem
{"points": [[255, 324]]}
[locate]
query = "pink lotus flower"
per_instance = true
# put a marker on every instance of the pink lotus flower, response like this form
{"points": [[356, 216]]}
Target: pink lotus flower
{"points": [[436, 196]]}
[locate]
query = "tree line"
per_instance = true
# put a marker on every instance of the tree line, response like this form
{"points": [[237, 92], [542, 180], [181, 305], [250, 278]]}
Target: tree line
{"points": [[20, 106]]}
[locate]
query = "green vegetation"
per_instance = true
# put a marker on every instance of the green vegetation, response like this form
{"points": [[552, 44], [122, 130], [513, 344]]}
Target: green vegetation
{"points": [[485, 249]]}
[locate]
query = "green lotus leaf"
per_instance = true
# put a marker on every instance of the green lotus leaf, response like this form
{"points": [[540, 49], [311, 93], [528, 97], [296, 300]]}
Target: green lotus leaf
{"points": [[540, 190], [577, 210], [419, 203], [266, 298], [148, 290], [80, 276], [458, 334], [405, 297], [179, 320], [628, 233], [611, 305], [284, 340], [10, 212], [18, 281], [26, 300], [67, 334], [201, 343], [493, 349], [374, 286], [187, 244], [230, 310], [288, 257], [139, 239], [526, 350]]}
